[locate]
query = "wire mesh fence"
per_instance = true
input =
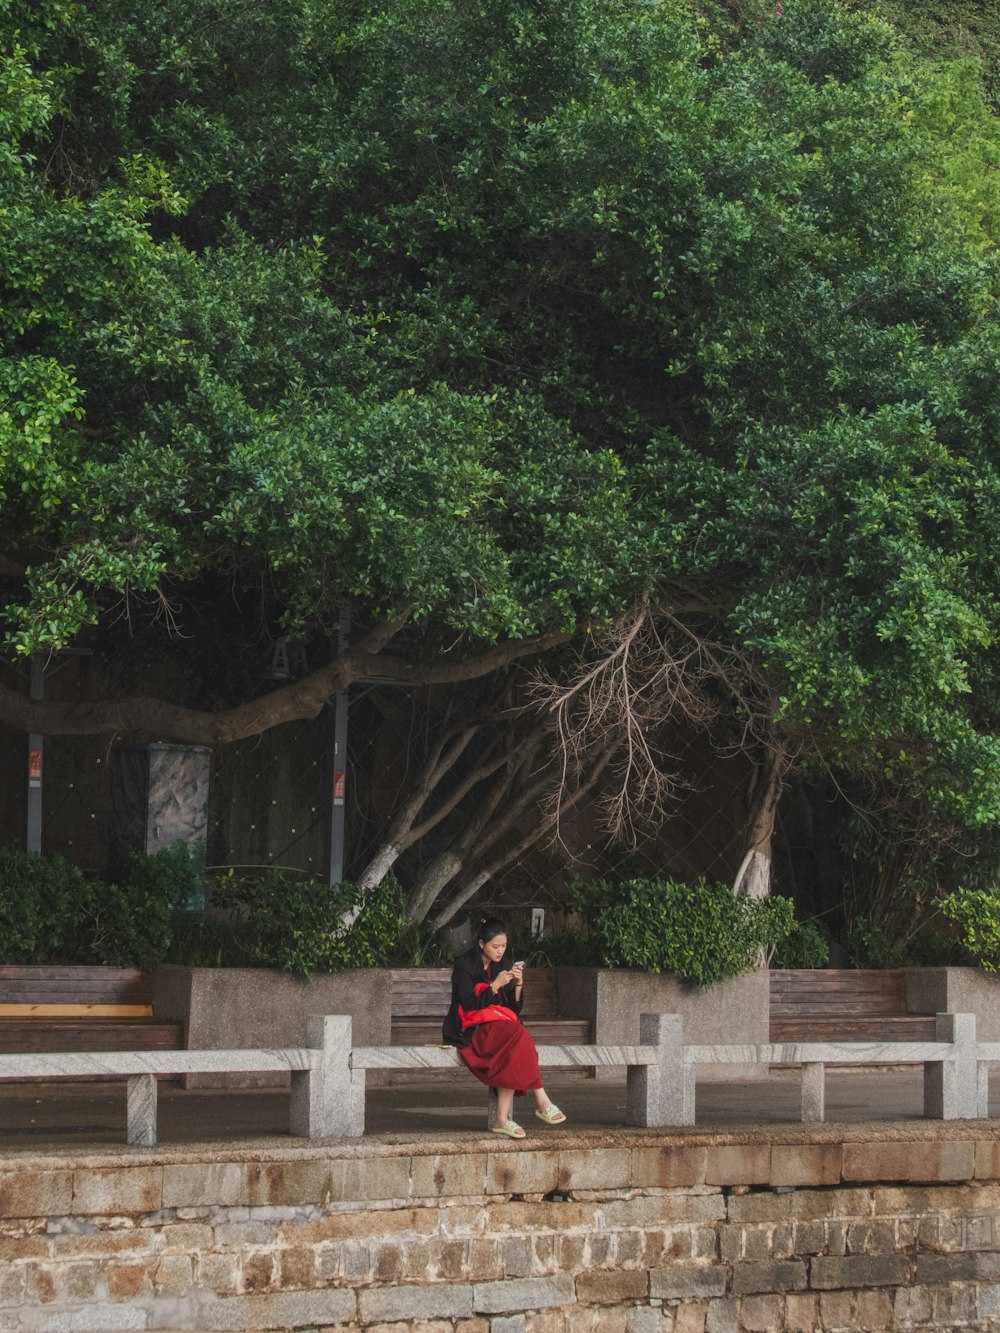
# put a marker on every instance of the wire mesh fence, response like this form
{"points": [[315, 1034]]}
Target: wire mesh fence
{"points": [[270, 804]]}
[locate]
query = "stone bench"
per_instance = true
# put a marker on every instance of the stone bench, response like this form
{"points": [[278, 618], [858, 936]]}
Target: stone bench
{"points": [[328, 1074], [955, 1065], [653, 1093], [311, 1068]]}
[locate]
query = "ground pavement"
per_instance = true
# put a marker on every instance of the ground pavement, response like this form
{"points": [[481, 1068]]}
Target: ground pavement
{"points": [[63, 1116]]}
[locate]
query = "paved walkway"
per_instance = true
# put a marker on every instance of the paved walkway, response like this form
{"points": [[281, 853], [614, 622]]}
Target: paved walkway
{"points": [[68, 1117]]}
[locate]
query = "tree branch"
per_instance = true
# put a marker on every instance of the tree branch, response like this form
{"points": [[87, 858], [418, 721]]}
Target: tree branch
{"points": [[506, 855], [470, 668], [298, 701]]}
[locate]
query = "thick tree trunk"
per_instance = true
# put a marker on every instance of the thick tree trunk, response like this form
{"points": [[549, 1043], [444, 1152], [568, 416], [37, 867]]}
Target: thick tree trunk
{"points": [[380, 865], [513, 852], [754, 875], [441, 870], [401, 833]]}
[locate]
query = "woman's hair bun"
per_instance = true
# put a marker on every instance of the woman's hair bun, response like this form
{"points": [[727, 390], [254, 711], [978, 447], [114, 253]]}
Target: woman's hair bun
{"points": [[490, 928]]}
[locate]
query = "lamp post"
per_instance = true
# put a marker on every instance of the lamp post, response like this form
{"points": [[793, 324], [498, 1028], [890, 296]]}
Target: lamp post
{"points": [[36, 753], [338, 763]]}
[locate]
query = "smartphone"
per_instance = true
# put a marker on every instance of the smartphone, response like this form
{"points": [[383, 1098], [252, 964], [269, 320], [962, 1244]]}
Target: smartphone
{"points": [[520, 964]]}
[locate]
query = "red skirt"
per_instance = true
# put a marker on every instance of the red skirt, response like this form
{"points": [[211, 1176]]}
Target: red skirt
{"points": [[502, 1055]]}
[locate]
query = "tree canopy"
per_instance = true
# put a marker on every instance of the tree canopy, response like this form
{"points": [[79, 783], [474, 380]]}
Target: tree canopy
{"points": [[500, 321]]}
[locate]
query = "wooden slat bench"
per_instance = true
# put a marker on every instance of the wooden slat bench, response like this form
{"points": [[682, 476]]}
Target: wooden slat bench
{"points": [[61, 1009], [420, 1000], [832, 1005]]}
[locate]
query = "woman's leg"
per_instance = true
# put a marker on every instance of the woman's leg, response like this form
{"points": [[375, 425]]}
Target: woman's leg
{"points": [[542, 1098], [505, 1099]]}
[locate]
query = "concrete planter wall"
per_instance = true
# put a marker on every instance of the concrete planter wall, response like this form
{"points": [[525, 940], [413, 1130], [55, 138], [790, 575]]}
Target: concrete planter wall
{"points": [[234, 1008], [956, 990], [733, 1012]]}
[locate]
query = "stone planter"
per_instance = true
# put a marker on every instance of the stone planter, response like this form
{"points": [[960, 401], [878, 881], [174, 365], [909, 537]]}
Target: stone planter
{"points": [[733, 1012], [956, 990], [234, 1008]]}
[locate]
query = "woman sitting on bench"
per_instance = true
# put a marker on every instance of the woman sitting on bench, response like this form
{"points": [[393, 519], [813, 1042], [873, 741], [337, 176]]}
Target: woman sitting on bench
{"points": [[483, 1022]]}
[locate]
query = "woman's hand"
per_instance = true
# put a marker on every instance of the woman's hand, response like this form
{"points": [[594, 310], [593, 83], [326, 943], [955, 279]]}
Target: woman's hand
{"points": [[500, 980], [517, 973]]}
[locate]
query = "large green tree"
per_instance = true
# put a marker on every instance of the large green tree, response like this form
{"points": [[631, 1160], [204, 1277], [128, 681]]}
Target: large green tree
{"points": [[499, 322]]}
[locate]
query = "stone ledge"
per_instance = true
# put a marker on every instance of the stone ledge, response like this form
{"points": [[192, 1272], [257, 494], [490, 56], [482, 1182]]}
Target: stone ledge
{"points": [[273, 1149], [330, 1175]]}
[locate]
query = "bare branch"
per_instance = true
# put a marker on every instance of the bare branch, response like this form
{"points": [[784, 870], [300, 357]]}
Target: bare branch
{"points": [[401, 834], [620, 703], [489, 765]]}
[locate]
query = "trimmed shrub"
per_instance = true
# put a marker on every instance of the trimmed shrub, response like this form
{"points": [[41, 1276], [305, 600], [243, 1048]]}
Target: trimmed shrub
{"points": [[806, 946], [43, 905], [976, 913], [133, 924], [296, 925], [701, 932]]}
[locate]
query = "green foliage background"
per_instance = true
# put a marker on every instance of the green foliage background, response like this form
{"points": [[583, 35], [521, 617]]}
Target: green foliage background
{"points": [[975, 913], [49, 913], [519, 317]]}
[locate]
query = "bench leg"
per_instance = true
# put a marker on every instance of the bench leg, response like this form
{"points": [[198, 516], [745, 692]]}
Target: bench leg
{"points": [[813, 1091], [951, 1087], [983, 1092], [661, 1093], [328, 1099], [141, 1110]]}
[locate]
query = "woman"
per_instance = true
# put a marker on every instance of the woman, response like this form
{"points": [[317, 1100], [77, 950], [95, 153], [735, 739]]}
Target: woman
{"points": [[486, 996]]}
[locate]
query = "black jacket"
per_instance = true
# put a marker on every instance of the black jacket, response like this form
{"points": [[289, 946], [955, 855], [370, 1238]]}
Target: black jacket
{"points": [[467, 973]]}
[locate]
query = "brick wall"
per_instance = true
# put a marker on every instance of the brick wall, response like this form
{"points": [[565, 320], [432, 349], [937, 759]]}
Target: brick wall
{"points": [[701, 1234]]}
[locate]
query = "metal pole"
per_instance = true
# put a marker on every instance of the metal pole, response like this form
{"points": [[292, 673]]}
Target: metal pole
{"points": [[35, 755], [338, 790]]}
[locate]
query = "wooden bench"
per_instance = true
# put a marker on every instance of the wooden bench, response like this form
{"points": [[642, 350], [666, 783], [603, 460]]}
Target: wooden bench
{"points": [[420, 1000], [833, 1005], [83, 1008]]}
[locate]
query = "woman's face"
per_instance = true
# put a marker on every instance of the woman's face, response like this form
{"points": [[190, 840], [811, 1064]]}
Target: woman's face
{"points": [[494, 949]]}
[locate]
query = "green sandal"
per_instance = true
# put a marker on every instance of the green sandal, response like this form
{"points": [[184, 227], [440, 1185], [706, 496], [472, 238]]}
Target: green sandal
{"points": [[551, 1115], [512, 1129]]}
